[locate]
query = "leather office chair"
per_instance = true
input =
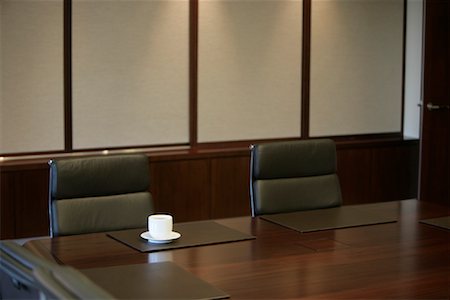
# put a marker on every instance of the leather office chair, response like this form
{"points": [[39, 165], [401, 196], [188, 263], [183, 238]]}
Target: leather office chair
{"points": [[100, 193], [293, 176], [27, 276]]}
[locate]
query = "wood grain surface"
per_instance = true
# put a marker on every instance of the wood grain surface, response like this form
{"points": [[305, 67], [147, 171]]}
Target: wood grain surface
{"points": [[401, 260]]}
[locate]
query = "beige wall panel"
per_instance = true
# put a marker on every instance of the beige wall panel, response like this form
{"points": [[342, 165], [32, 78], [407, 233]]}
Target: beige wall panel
{"points": [[31, 76], [130, 73], [249, 81], [356, 67]]}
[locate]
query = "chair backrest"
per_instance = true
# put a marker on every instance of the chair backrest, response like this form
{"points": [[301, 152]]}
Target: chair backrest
{"points": [[99, 193], [293, 176], [27, 276]]}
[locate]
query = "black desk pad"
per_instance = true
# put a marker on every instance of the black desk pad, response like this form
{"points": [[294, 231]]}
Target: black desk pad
{"points": [[334, 218], [164, 280], [192, 234], [442, 222]]}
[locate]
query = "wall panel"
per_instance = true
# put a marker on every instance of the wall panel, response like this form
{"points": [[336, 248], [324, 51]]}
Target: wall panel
{"points": [[356, 67], [394, 172], [31, 76], [353, 169], [24, 201], [249, 67], [181, 188], [230, 187], [130, 73], [31, 190], [7, 207]]}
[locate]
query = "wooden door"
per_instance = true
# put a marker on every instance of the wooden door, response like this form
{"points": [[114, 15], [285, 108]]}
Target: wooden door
{"points": [[435, 164]]}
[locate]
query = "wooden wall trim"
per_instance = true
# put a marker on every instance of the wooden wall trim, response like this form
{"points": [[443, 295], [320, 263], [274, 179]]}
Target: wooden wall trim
{"points": [[195, 184], [68, 139], [405, 17], [193, 71], [239, 149], [306, 67]]}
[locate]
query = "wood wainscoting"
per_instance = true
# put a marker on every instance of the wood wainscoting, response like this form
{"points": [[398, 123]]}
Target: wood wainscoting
{"points": [[212, 183]]}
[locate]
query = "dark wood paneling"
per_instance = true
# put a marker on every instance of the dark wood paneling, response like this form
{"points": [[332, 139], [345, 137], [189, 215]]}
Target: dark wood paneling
{"points": [[394, 173], [31, 207], [230, 187], [213, 183], [354, 174], [7, 217], [181, 188], [24, 194], [378, 173]]}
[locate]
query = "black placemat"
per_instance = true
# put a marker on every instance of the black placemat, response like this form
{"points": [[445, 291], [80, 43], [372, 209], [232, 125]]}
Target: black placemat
{"points": [[164, 280], [192, 234], [442, 222], [334, 218]]}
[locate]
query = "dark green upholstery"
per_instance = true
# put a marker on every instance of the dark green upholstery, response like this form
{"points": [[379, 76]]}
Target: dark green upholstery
{"points": [[27, 276], [293, 175], [100, 193]]}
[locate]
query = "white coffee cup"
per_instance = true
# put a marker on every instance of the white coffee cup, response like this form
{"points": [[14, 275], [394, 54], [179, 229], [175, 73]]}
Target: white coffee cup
{"points": [[160, 226]]}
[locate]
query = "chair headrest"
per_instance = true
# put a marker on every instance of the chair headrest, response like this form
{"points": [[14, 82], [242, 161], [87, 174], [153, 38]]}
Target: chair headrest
{"points": [[99, 176], [294, 159]]}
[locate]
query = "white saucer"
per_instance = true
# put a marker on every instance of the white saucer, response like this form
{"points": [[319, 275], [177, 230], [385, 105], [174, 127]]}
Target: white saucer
{"points": [[172, 236]]}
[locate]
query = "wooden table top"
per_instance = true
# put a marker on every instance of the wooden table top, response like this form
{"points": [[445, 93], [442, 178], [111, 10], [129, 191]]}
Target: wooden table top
{"points": [[405, 259]]}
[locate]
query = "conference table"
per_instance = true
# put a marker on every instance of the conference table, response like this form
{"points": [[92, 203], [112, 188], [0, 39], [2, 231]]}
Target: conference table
{"points": [[405, 259]]}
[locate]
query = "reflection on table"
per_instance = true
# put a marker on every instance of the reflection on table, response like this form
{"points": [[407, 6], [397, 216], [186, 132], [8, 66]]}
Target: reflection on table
{"points": [[404, 259]]}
